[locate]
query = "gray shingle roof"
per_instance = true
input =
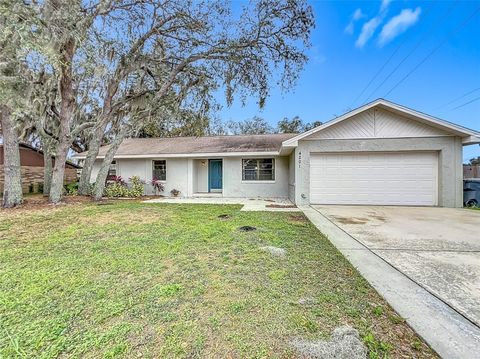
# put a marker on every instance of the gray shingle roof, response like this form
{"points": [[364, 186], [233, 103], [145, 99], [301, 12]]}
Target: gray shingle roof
{"points": [[195, 145]]}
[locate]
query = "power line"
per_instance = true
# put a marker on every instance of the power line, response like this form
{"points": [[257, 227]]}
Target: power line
{"points": [[450, 34], [378, 72], [466, 103], [417, 45], [387, 62], [458, 98]]}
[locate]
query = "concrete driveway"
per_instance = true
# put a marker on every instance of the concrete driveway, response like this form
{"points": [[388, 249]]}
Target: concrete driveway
{"points": [[438, 248]]}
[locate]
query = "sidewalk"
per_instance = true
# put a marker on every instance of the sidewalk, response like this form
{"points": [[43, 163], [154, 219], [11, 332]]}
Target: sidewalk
{"points": [[249, 204]]}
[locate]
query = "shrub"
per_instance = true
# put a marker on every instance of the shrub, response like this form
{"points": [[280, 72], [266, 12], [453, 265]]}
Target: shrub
{"points": [[137, 188], [116, 189], [157, 185], [71, 189], [40, 187], [117, 179], [174, 192], [30, 188], [119, 188]]}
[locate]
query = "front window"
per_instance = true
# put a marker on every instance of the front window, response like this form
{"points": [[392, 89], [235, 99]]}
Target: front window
{"points": [[258, 169], [160, 170], [112, 171]]}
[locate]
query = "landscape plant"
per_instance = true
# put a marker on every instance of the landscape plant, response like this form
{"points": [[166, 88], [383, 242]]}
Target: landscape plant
{"points": [[71, 189], [116, 189], [157, 185], [137, 187], [119, 188]]}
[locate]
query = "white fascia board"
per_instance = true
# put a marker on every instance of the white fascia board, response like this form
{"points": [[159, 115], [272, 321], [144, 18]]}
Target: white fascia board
{"points": [[194, 155], [471, 140]]}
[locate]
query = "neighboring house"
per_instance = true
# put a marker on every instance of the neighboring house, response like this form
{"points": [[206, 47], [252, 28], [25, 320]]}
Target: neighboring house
{"points": [[471, 171], [32, 165], [380, 154]]}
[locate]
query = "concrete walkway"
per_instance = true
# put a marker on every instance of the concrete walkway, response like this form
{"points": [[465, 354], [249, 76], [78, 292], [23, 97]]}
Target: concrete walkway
{"points": [[449, 333], [249, 204]]}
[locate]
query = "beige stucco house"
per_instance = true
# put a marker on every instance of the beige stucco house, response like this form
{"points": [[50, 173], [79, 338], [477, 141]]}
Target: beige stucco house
{"points": [[380, 154]]}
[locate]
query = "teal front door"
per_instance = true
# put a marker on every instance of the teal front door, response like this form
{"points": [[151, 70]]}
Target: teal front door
{"points": [[214, 175]]}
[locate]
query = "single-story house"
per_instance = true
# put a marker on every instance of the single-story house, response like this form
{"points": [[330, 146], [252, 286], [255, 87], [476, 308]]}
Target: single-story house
{"points": [[32, 168], [380, 154]]}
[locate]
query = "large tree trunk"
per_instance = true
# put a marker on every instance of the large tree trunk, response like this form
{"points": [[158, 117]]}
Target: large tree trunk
{"points": [[93, 148], [12, 190], [47, 170], [56, 186], [103, 172], [67, 105]]}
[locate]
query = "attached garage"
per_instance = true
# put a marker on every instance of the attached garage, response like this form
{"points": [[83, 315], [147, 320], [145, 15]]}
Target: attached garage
{"points": [[380, 154], [374, 178]]}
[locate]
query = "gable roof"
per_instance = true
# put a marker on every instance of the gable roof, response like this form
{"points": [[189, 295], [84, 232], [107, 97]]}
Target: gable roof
{"points": [[469, 136], [196, 146]]}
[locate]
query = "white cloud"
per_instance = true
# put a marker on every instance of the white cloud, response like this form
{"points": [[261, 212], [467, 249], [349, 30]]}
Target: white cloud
{"points": [[368, 29], [398, 24], [384, 5], [349, 28], [357, 15]]}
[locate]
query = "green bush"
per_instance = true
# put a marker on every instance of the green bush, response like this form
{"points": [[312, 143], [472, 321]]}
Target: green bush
{"points": [[40, 187], [120, 189], [71, 189], [116, 189], [136, 189]]}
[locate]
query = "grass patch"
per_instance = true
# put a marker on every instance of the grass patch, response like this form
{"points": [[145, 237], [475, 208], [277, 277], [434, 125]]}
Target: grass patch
{"points": [[170, 280]]}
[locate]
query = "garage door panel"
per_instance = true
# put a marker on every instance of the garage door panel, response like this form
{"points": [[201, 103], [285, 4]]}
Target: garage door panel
{"points": [[400, 178]]}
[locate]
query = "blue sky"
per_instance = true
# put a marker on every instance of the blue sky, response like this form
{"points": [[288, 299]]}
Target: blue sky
{"points": [[354, 39]]}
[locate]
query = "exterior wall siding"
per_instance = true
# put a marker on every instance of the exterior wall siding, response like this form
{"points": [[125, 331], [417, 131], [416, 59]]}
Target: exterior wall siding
{"points": [[33, 176], [291, 177], [189, 176], [450, 161], [377, 123], [201, 166], [233, 186], [177, 173]]}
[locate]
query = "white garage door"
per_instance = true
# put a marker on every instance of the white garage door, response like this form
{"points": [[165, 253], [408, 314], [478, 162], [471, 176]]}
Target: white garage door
{"points": [[377, 178]]}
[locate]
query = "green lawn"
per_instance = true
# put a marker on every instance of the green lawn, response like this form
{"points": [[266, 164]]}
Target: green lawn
{"points": [[156, 280]]}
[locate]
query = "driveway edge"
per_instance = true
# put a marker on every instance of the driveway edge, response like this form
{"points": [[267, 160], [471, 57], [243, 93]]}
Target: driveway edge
{"points": [[445, 330]]}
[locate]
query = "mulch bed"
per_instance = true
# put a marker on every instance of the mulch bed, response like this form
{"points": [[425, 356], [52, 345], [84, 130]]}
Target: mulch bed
{"points": [[281, 206]]}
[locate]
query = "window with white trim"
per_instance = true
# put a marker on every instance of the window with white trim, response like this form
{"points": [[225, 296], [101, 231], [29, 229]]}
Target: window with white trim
{"points": [[159, 170], [112, 171], [258, 169]]}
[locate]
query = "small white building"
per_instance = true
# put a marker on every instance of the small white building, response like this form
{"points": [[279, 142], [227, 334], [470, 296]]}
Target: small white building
{"points": [[379, 154]]}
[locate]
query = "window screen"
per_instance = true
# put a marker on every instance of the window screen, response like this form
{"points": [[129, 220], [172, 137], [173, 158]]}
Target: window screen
{"points": [[258, 169], [160, 170], [112, 171]]}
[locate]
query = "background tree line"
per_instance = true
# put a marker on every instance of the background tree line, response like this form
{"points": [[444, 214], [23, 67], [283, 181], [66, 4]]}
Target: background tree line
{"points": [[76, 74], [204, 126]]}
